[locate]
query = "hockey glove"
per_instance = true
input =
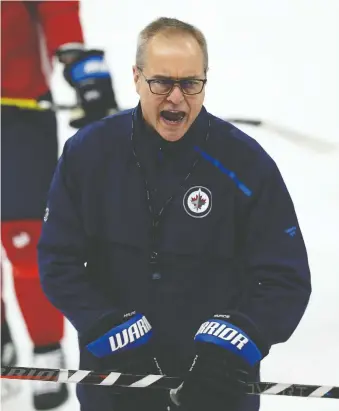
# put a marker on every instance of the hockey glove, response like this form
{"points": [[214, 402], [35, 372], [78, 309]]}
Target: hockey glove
{"points": [[228, 349], [123, 343], [87, 73]]}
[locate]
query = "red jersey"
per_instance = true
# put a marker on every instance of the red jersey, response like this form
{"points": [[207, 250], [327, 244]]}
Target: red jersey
{"points": [[31, 33]]}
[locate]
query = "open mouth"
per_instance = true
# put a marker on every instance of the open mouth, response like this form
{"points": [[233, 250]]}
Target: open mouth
{"points": [[172, 117]]}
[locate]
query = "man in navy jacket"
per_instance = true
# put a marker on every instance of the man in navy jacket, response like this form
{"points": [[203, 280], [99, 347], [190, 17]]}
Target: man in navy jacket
{"points": [[170, 240]]}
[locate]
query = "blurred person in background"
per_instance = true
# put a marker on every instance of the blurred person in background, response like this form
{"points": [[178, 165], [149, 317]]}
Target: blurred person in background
{"points": [[33, 33]]}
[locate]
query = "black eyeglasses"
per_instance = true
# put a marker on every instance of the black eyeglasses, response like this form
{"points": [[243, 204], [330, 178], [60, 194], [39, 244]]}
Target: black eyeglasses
{"points": [[164, 86]]}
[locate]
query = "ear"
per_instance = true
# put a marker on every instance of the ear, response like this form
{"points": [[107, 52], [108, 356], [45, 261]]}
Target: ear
{"points": [[136, 77], [136, 74]]}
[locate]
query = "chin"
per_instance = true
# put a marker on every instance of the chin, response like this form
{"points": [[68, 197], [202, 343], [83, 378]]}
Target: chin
{"points": [[171, 136]]}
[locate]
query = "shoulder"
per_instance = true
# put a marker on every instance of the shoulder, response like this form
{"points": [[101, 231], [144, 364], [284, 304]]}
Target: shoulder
{"points": [[101, 132], [94, 141], [88, 149], [240, 154], [230, 136], [234, 142]]}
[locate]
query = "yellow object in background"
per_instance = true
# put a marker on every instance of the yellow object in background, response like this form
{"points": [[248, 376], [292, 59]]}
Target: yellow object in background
{"points": [[26, 103]]}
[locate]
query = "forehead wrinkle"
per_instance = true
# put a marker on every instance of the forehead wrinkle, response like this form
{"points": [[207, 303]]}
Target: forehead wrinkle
{"points": [[164, 77], [174, 57]]}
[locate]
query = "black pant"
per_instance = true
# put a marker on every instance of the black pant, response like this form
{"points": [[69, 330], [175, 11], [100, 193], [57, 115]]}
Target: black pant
{"points": [[95, 398], [29, 154], [102, 398]]}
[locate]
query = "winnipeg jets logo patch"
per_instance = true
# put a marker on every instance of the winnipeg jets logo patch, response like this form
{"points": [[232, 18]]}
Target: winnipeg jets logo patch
{"points": [[198, 202]]}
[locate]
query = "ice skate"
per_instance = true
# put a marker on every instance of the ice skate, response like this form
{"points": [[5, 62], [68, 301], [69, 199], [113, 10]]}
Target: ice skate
{"points": [[47, 395]]}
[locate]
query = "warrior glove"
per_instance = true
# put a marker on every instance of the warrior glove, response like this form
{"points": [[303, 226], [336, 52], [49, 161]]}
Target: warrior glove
{"points": [[229, 348], [123, 343]]}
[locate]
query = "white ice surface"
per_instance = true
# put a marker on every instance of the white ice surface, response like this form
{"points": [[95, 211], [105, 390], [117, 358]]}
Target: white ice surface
{"points": [[273, 60]]}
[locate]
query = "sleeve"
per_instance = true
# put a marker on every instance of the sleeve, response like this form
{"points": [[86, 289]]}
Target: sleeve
{"points": [[63, 246], [60, 22], [276, 262]]}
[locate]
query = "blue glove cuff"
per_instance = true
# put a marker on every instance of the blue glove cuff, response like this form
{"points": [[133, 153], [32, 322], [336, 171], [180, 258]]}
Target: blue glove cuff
{"points": [[229, 337], [89, 68], [130, 334]]}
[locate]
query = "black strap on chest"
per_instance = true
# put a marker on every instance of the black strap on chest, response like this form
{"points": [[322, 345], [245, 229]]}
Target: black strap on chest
{"points": [[157, 217]]}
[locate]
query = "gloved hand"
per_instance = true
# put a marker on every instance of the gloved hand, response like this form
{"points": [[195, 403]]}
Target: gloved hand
{"points": [[123, 343], [228, 349], [87, 72]]}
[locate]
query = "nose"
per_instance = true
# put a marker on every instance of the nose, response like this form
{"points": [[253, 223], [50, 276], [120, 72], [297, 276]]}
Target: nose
{"points": [[176, 96]]}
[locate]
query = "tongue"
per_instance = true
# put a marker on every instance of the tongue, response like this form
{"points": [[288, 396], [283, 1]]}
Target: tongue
{"points": [[173, 116]]}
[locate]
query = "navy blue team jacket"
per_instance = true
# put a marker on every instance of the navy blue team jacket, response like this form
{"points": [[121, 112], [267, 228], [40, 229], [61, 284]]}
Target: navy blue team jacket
{"points": [[227, 236]]}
